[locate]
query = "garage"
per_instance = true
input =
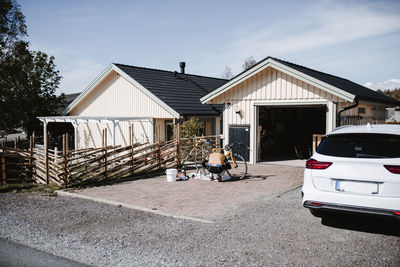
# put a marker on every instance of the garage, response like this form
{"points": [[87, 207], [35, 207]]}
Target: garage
{"points": [[285, 132], [277, 106]]}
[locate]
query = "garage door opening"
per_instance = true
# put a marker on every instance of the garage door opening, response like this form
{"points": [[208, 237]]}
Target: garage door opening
{"points": [[285, 133]]}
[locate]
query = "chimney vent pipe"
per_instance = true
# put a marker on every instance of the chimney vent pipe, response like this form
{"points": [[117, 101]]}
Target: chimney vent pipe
{"points": [[182, 65]]}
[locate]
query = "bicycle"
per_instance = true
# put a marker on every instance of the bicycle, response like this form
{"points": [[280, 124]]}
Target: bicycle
{"points": [[235, 165]]}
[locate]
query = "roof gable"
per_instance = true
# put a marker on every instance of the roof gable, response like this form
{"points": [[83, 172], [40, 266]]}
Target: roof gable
{"points": [[337, 86], [178, 93]]}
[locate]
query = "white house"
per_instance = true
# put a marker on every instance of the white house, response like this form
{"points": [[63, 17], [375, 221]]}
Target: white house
{"points": [[149, 101], [276, 106], [393, 115]]}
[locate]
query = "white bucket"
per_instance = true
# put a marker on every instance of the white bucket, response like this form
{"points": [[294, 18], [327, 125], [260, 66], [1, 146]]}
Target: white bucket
{"points": [[171, 175]]}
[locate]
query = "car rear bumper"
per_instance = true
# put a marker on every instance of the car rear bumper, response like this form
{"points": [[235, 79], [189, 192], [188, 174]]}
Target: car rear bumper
{"points": [[349, 208]]}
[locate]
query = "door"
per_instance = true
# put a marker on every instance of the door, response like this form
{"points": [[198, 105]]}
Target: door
{"points": [[240, 134]]}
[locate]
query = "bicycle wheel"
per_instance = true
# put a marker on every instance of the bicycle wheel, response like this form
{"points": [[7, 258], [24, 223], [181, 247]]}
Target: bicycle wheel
{"points": [[199, 157], [240, 171]]}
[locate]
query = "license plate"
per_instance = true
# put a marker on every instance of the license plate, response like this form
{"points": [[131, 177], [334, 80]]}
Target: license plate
{"points": [[357, 187]]}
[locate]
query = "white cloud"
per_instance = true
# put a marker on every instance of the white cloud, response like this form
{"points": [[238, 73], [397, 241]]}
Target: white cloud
{"points": [[324, 25], [389, 84]]}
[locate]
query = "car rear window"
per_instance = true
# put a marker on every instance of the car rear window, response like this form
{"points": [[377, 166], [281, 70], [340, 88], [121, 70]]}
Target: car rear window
{"points": [[361, 146]]}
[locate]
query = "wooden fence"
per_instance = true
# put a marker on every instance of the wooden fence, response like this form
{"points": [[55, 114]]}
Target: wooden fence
{"points": [[69, 168]]}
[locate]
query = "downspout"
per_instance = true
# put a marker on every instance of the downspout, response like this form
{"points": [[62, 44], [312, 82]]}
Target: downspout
{"points": [[346, 108]]}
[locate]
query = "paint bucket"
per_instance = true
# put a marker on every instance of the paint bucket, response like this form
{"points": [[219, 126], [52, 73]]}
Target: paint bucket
{"points": [[171, 175]]}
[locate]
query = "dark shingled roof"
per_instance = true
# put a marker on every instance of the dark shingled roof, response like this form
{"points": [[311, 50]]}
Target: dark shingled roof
{"points": [[182, 92], [361, 92], [68, 99]]}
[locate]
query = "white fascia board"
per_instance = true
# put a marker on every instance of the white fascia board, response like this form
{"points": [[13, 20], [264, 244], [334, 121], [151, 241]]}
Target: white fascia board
{"points": [[281, 67], [146, 92], [99, 78], [88, 89], [232, 83]]}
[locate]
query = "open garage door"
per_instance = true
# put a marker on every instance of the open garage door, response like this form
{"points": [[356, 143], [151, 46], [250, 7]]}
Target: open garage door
{"points": [[286, 132]]}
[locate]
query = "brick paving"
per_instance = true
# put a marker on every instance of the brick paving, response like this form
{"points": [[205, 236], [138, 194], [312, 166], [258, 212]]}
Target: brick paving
{"points": [[199, 198]]}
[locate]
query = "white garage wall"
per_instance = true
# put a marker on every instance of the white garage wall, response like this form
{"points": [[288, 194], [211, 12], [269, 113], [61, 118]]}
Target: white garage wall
{"points": [[271, 87]]}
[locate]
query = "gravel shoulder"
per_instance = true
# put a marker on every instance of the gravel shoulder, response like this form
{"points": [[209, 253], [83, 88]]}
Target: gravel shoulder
{"points": [[277, 231]]}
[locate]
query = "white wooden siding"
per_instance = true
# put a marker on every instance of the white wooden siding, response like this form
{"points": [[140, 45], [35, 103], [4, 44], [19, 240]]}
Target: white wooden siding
{"points": [[115, 96], [90, 134], [272, 84], [270, 87]]}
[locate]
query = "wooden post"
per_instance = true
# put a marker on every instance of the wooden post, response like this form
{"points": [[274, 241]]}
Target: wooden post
{"points": [[178, 160], [105, 152], [3, 167], [30, 162], [158, 155], [65, 163], [33, 139], [46, 158], [66, 142], [15, 143], [131, 144]]}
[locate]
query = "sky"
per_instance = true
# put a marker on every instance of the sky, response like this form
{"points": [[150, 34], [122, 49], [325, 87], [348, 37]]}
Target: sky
{"points": [[357, 40]]}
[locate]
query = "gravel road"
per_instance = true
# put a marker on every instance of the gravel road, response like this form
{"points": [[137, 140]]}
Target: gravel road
{"points": [[270, 232]]}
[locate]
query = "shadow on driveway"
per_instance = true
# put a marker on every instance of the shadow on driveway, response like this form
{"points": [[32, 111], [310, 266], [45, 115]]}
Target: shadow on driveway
{"points": [[364, 223]]}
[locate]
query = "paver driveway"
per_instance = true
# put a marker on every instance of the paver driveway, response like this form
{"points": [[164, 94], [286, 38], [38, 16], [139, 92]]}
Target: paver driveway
{"points": [[198, 198]]}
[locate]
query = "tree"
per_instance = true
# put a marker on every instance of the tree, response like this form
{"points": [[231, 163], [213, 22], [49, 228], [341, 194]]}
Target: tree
{"points": [[12, 23], [28, 79], [395, 93], [248, 63], [191, 128], [227, 74]]}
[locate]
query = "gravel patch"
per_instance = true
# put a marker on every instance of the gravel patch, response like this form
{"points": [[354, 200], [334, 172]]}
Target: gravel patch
{"points": [[277, 231]]}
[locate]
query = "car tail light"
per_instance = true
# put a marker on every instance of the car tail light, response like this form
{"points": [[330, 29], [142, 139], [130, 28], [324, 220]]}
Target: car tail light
{"points": [[396, 212], [317, 165], [393, 168]]}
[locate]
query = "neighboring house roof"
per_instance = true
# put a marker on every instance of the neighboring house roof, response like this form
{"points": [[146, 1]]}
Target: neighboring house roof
{"points": [[340, 87], [68, 99], [182, 92], [178, 93]]}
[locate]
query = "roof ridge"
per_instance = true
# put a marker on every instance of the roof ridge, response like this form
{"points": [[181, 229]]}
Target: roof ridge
{"points": [[301, 66], [146, 68]]}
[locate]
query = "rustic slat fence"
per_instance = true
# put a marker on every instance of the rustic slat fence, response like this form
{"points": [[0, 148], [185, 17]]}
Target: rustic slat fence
{"points": [[70, 168]]}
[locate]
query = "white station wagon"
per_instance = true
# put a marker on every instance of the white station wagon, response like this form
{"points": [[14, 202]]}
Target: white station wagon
{"points": [[355, 169]]}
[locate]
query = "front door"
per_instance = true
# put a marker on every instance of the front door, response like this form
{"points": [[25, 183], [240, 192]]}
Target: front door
{"points": [[240, 134]]}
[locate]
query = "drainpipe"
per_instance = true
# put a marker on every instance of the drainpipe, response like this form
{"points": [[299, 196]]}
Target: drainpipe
{"points": [[346, 108]]}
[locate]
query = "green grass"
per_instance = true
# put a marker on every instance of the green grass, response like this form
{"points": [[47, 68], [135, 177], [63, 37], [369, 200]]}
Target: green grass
{"points": [[31, 188]]}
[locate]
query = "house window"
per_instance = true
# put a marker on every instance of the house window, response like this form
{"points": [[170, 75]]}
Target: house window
{"points": [[361, 110], [169, 130]]}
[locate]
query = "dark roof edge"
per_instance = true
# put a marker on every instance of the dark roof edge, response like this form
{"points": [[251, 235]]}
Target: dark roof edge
{"points": [[201, 76]]}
